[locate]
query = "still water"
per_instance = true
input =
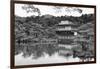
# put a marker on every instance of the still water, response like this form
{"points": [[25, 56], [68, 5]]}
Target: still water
{"points": [[29, 55], [56, 58]]}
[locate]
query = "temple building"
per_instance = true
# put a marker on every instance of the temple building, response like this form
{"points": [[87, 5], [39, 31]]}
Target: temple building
{"points": [[66, 32]]}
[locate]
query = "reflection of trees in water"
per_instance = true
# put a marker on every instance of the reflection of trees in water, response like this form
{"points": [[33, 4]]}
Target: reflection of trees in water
{"points": [[36, 51], [82, 51], [18, 49]]}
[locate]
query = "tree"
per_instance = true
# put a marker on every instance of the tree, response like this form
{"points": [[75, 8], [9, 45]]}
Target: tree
{"points": [[58, 9], [73, 9], [70, 10], [31, 8]]}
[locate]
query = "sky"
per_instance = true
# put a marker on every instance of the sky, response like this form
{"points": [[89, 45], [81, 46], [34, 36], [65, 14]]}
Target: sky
{"points": [[45, 9]]}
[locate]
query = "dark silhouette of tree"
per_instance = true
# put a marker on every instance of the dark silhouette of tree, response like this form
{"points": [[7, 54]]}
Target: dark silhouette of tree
{"points": [[73, 9], [57, 9], [31, 9]]}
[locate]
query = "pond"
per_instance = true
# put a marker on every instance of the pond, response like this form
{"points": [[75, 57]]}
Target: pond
{"points": [[43, 54], [46, 59]]}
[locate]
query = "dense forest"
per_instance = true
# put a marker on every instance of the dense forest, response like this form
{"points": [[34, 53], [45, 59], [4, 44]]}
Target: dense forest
{"points": [[33, 29]]}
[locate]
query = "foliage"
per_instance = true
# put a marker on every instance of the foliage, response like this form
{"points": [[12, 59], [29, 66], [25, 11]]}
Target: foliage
{"points": [[29, 30]]}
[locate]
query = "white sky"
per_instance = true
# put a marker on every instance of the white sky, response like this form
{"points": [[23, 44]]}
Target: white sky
{"points": [[49, 10]]}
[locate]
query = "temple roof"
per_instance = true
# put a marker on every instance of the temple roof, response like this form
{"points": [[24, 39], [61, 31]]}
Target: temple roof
{"points": [[66, 23]]}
